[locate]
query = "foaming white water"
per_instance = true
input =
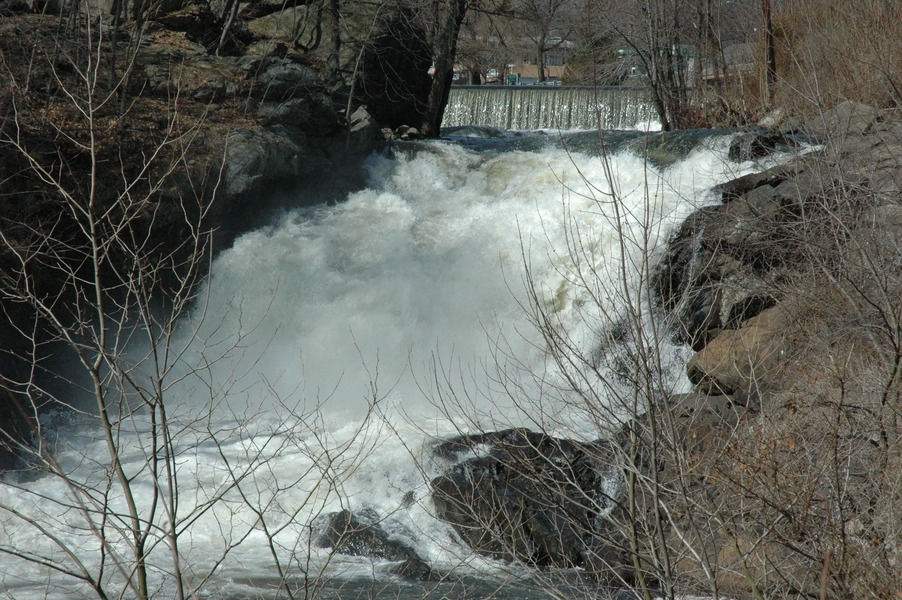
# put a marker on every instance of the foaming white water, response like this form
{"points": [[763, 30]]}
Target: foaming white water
{"points": [[409, 287], [428, 263]]}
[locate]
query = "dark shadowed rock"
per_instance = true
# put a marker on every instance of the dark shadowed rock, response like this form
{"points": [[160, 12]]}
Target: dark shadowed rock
{"points": [[259, 156], [347, 533], [394, 80], [757, 144], [417, 569], [363, 535], [523, 495], [194, 18], [286, 80], [310, 114]]}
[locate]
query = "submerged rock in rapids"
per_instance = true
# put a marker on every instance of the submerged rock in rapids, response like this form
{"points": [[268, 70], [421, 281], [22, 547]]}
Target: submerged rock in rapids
{"points": [[758, 143], [347, 533], [531, 497]]}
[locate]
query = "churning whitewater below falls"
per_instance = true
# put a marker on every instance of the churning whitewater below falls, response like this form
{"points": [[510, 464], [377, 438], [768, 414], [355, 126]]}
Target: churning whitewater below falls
{"points": [[334, 347]]}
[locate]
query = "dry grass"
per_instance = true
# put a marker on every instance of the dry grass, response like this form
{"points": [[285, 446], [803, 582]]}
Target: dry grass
{"points": [[834, 50]]}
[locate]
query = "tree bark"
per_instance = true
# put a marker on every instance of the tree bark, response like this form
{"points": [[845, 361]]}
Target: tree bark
{"points": [[334, 60], [540, 60], [770, 53], [449, 23]]}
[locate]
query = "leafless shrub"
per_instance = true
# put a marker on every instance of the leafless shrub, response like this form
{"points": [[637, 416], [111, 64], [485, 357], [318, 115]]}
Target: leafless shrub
{"points": [[829, 52], [107, 272]]}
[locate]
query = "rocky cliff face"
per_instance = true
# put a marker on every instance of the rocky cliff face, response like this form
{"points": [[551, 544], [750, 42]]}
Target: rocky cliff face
{"points": [[147, 125]]}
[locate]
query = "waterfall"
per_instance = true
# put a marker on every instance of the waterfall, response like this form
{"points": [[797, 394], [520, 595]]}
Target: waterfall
{"points": [[406, 302], [528, 107]]}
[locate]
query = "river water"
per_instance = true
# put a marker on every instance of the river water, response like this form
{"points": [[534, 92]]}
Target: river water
{"points": [[332, 347]]}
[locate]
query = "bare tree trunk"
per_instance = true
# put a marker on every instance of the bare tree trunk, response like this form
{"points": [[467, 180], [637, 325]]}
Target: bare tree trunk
{"points": [[449, 22], [334, 37], [228, 14], [540, 60], [770, 53]]}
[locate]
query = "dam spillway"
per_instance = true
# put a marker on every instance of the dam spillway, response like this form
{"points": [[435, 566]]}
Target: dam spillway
{"points": [[548, 107]]}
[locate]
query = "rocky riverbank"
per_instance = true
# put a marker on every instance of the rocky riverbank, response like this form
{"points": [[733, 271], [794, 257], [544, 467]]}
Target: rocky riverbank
{"points": [[790, 293]]}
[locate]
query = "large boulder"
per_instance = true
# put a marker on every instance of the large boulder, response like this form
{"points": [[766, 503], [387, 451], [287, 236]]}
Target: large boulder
{"points": [[281, 25], [285, 80], [739, 360], [845, 118], [772, 177], [256, 157], [394, 80], [522, 495], [311, 114]]}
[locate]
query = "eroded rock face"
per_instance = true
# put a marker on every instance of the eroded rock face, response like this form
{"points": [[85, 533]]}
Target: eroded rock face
{"points": [[714, 275], [523, 495]]}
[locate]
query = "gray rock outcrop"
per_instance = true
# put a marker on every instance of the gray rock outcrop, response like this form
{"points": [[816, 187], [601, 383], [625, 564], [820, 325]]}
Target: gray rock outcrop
{"points": [[728, 267]]}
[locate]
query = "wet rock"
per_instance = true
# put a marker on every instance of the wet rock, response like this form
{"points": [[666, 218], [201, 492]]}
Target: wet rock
{"points": [[408, 133], [528, 496], [757, 144], [711, 275], [417, 569], [362, 535]]}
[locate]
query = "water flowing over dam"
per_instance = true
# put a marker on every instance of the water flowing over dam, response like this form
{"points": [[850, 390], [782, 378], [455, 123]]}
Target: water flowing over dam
{"points": [[551, 107]]}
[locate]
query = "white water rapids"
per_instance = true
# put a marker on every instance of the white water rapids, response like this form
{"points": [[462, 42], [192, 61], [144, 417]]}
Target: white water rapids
{"points": [[406, 288]]}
